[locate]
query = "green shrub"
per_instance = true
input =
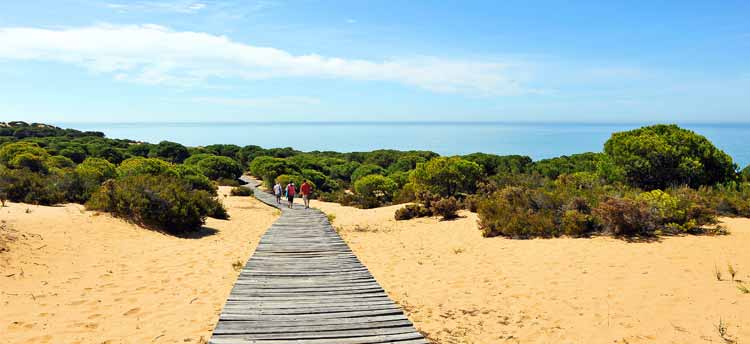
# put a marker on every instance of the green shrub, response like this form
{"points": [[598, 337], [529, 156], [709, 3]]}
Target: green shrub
{"points": [[579, 180], [143, 166], [11, 150], [170, 151], [745, 174], [227, 150], [517, 212], [86, 178], [344, 171], [268, 168], [23, 185], [285, 179], [494, 164], [34, 163], [375, 190], [471, 203], [139, 149], [411, 211], [163, 202], [248, 153], [677, 214], [575, 223], [228, 182], [405, 194], [106, 151], [196, 158], [366, 170], [554, 167], [97, 169], [320, 181], [405, 163], [59, 161], [74, 152], [220, 167], [346, 199], [241, 191], [445, 207], [447, 176], [660, 156], [194, 177], [731, 199]]}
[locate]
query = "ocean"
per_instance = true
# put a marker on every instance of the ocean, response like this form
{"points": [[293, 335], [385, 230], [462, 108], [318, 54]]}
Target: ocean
{"points": [[537, 140]]}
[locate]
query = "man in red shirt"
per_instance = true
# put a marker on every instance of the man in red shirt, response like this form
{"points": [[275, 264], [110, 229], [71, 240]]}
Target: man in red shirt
{"points": [[305, 189]]}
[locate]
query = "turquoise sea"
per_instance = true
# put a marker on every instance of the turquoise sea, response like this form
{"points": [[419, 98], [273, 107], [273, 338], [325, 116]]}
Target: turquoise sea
{"points": [[537, 140]]}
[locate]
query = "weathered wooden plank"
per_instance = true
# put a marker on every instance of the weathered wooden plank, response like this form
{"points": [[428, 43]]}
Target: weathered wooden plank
{"points": [[242, 327], [394, 338]]}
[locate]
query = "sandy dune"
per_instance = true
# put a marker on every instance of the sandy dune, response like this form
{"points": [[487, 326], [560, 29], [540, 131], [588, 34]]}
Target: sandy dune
{"points": [[458, 287], [79, 277]]}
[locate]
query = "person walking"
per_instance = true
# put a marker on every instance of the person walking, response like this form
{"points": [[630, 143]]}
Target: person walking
{"points": [[305, 189], [277, 192], [290, 191]]}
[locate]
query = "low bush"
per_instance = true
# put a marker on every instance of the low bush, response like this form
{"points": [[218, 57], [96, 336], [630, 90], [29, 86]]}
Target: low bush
{"points": [[194, 176], [745, 174], [347, 199], [34, 163], [729, 199], [471, 203], [375, 190], [220, 167], [366, 170], [626, 217], [517, 212], [682, 213], [228, 182], [23, 185], [59, 161], [143, 166], [445, 207], [196, 158], [162, 202], [241, 191], [411, 211]]}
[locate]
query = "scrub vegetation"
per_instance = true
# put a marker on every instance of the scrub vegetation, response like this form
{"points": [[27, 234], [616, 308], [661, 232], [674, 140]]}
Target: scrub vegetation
{"points": [[654, 180]]}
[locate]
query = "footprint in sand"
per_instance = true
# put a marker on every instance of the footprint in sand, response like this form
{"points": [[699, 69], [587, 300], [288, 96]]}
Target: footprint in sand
{"points": [[132, 312], [41, 339], [94, 316], [76, 303]]}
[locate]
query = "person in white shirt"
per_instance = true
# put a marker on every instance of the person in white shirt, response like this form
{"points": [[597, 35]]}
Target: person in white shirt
{"points": [[277, 192]]}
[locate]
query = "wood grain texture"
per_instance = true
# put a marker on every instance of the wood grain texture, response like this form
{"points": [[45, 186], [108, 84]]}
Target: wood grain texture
{"points": [[304, 285]]}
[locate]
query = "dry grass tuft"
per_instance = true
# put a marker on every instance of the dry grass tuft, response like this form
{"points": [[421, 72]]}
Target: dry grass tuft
{"points": [[732, 271], [237, 265]]}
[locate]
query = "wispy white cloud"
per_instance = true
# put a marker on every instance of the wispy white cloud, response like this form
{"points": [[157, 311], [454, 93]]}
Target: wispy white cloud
{"points": [[180, 6], [280, 101], [158, 55], [351, 21]]}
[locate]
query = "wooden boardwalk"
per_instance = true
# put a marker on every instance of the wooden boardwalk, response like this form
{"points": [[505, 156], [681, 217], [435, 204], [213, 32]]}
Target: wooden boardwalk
{"points": [[304, 285]]}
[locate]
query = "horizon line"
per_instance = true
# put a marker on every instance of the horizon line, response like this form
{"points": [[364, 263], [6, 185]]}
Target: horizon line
{"points": [[405, 122]]}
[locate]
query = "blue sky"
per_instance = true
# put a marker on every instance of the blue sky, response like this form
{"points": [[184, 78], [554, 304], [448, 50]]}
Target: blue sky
{"points": [[563, 61]]}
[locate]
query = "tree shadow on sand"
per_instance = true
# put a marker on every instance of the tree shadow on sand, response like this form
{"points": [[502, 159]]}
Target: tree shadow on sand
{"points": [[197, 234]]}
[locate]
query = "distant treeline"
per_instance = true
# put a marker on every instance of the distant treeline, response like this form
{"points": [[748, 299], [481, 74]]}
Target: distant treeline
{"points": [[649, 180]]}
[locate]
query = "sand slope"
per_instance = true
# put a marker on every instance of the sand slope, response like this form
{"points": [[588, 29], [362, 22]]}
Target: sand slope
{"points": [[458, 287], [80, 277]]}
